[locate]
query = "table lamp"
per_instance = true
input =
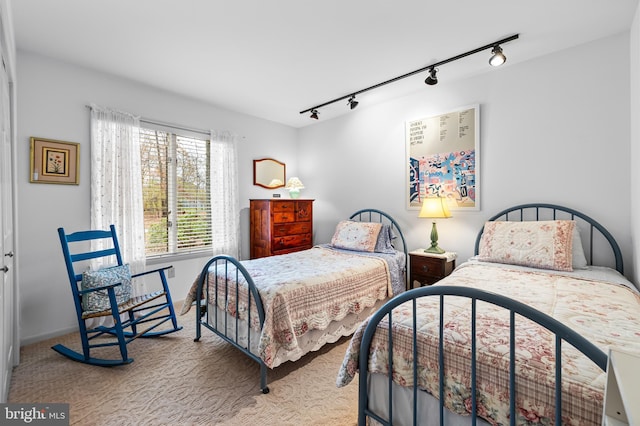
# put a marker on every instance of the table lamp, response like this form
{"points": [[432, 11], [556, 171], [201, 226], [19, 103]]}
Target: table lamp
{"points": [[434, 208], [294, 185]]}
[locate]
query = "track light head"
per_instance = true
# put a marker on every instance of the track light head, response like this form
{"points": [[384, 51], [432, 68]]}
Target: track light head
{"points": [[432, 80], [314, 114], [352, 102], [497, 57]]}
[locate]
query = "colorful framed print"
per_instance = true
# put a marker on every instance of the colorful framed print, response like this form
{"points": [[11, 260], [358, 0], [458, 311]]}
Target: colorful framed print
{"points": [[54, 162], [443, 159]]}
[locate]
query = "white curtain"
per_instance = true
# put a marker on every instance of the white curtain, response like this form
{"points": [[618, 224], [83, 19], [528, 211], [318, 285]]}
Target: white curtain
{"points": [[225, 210], [116, 183]]}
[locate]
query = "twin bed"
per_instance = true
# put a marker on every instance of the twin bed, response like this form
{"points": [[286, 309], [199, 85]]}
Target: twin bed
{"points": [[521, 330], [279, 308], [517, 335]]}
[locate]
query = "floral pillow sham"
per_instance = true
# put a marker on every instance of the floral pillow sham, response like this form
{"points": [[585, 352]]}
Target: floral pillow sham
{"points": [[359, 236], [536, 244]]}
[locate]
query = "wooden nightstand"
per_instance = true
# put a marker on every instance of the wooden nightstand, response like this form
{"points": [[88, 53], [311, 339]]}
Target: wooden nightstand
{"points": [[429, 268]]}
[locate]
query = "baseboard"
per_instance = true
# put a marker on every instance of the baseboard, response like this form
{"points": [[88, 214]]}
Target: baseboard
{"points": [[45, 336], [177, 305]]}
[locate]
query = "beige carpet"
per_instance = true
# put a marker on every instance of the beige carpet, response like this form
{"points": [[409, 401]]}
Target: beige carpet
{"points": [[176, 381]]}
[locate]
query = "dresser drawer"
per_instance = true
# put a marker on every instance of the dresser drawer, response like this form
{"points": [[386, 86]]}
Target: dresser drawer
{"points": [[427, 266], [284, 206], [281, 230], [284, 217], [291, 241]]}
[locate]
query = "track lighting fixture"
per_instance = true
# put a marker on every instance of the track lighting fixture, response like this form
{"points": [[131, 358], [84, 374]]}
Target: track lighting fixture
{"points": [[352, 102], [497, 59], [432, 79]]}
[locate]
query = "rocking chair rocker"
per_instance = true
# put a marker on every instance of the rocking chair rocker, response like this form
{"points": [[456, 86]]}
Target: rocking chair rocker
{"points": [[107, 292]]}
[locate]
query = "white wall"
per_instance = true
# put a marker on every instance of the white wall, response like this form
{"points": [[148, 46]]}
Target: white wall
{"points": [[553, 129], [634, 53], [51, 104]]}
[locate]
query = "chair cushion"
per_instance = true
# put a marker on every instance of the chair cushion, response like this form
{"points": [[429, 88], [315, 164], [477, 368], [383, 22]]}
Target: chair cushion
{"points": [[99, 300]]}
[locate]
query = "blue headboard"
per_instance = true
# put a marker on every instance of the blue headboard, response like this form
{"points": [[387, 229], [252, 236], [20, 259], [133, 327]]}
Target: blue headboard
{"points": [[374, 215]]}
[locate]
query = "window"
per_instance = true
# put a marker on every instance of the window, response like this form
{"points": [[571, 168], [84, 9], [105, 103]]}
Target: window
{"points": [[176, 192]]}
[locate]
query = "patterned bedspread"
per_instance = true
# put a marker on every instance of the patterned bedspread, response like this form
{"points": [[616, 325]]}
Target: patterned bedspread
{"points": [[607, 314], [303, 291]]}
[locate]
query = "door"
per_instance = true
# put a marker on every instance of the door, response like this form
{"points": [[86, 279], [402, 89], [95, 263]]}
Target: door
{"points": [[6, 235]]}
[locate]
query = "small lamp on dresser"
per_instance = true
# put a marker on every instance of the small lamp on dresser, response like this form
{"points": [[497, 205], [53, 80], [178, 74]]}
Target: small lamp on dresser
{"points": [[434, 208], [294, 185]]}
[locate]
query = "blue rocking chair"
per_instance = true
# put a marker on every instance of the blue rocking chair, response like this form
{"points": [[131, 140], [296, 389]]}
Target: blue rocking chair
{"points": [[107, 292]]}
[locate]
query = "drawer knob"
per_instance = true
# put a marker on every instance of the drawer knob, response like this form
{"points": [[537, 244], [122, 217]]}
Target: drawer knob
{"points": [[425, 268]]}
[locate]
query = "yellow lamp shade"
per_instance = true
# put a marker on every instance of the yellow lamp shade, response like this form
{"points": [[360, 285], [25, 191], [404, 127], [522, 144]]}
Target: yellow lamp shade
{"points": [[434, 208]]}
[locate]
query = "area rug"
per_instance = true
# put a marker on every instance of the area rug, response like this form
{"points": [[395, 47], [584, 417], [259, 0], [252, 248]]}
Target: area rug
{"points": [[176, 381]]}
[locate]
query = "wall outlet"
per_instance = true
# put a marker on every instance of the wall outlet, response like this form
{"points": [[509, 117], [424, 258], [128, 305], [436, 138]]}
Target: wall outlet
{"points": [[171, 273], [276, 195]]}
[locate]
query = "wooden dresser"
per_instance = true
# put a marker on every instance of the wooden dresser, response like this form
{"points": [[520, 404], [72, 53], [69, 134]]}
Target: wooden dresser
{"points": [[280, 226]]}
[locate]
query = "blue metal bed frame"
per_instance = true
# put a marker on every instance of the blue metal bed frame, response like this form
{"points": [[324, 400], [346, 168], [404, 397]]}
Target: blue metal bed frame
{"points": [[562, 332], [234, 270]]}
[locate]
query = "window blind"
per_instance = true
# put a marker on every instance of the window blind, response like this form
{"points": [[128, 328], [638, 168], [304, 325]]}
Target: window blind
{"points": [[176, 191]]}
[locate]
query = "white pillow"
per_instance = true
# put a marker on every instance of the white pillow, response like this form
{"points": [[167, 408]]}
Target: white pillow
{"points": [[578, 260]]}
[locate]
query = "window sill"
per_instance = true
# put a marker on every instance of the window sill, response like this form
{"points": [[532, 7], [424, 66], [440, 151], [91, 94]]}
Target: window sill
{"points": [[168, 258]]}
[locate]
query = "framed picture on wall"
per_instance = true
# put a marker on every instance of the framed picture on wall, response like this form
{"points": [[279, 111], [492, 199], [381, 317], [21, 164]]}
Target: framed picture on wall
{"points": [[54, 161], [443, 158]]}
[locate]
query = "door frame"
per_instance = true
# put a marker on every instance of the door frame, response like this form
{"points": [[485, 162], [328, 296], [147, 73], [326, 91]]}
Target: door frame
{"points": [[7, 41]]}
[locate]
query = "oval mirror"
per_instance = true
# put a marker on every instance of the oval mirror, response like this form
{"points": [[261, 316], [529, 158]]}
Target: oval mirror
{"points": [[268, 173]]}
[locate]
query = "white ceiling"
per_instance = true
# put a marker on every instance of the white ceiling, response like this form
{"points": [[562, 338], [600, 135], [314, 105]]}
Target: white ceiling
{"points": [[275, 58]]}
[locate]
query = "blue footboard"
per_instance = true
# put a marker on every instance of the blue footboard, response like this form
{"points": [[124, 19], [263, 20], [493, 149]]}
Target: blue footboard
{"points": [[229, 274], [562, 334]]}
